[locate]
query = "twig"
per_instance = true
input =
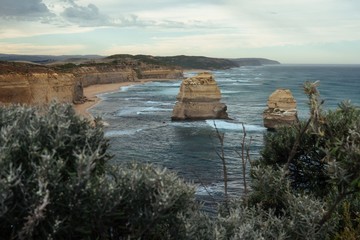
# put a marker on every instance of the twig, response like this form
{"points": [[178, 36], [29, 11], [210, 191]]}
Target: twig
{"points": [[204, 186], [222, 157], [244, 160], [296, 145]]}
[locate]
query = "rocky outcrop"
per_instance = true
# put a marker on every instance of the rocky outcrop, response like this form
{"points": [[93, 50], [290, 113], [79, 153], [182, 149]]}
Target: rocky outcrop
{"points": [[281, 109], [199, 98]]}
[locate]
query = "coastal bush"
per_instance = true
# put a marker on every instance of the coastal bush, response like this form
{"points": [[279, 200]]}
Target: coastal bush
{"points": [[320, 158], [55, 183], [272, 210], [49, 160], [307, 171]]}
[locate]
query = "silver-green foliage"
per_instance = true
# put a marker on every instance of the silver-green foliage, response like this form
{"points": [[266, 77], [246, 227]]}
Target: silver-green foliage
{"points": [[273, 211], [48, 163], [55, 183]]}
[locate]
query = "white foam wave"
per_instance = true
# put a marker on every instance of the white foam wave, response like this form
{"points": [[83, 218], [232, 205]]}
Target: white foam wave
{"points": [[170, 91], [128, 111], [117, 133], [126, 88], [221, 124], [158, 103], [133, 98], [230, 92], [152, 110], [167, 84]]}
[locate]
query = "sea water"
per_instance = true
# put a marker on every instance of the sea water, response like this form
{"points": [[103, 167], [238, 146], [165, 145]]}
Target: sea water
{"points": [[140, 127]]}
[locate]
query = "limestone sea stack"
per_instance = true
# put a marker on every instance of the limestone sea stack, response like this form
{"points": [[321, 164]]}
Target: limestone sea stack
{"points": [[281, 109], [199, 98]]}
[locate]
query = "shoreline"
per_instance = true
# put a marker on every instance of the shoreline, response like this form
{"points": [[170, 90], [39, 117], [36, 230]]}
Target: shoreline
{"points": [[92, 91]]}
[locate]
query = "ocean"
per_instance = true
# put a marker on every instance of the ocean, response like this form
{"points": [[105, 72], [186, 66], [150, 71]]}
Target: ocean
{"points": [[140, 127]]}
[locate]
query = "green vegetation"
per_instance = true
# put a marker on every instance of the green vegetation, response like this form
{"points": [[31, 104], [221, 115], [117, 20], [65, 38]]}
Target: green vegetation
{"points": [[56, 183], [186, 62]]}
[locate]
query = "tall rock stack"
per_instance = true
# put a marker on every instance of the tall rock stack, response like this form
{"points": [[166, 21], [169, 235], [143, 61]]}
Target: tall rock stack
{"points": [[281, 109], [199, 98]]}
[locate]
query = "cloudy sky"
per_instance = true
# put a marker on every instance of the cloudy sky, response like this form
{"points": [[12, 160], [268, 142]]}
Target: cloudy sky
{"points": [[290, 31]]}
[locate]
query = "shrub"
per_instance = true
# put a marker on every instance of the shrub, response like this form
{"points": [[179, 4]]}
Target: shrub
{"points": [[273, 211], [320, 157], [48, 162], [307, 171], [152, 203], [55, 183]]}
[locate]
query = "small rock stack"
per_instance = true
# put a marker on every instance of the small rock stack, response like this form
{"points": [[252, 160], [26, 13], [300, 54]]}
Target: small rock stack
{"points": [[199, 98], [281, 110]]}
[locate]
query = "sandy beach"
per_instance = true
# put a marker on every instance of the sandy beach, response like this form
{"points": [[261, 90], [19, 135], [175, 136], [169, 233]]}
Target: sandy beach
{"points": [[92, 91]]}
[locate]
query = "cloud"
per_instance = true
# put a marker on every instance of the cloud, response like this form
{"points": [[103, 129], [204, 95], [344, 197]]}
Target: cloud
{"points": [[85, 16], [91, 16], [24, 10], [28, 48]]}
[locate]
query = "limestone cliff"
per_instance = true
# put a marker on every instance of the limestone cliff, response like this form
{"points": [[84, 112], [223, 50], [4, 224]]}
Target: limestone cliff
{"points": [[161, 74], [21, 83], [91, 75], [281, 109], [39, 84], [199, 98]]}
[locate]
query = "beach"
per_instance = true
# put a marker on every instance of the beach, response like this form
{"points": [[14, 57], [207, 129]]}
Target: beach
{"points": [[92, 91]]}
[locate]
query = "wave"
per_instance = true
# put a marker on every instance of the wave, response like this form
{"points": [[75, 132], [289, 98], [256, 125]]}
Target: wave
{"points": [[170, 91], [133, 98], [152, 110], [165, 84], [221, 124], [126, 88], [157, 103], [117, 133], [230, 92]]}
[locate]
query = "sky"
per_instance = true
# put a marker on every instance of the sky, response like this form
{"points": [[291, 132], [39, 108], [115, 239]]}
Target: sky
{"points": [[290, 31]]}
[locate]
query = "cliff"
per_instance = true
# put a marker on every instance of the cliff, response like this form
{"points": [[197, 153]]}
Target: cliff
{"points": [[281, 110], [22, 83], [90, 75], [199, 98], [40, 84]]}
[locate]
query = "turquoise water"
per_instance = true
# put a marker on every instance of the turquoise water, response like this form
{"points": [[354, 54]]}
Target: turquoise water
{"points": [[140, 128]]}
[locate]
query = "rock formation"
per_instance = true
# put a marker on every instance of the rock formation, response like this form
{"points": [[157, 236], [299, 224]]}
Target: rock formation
{"points": [[281, 109], [199, 98]]}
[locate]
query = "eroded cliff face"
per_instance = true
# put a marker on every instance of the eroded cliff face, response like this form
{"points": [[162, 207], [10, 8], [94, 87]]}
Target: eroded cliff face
{"points": [[92, 75], [27, 84], [281, 109], [38, 88], [199, 98], [114, 74], [38, 84]]}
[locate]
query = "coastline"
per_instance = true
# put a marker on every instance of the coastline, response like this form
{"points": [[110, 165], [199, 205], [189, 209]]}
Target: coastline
{"points": [[92, 91]]}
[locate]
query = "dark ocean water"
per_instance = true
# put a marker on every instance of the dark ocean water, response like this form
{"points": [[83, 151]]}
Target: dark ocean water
{"points": [[140, 128]]}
